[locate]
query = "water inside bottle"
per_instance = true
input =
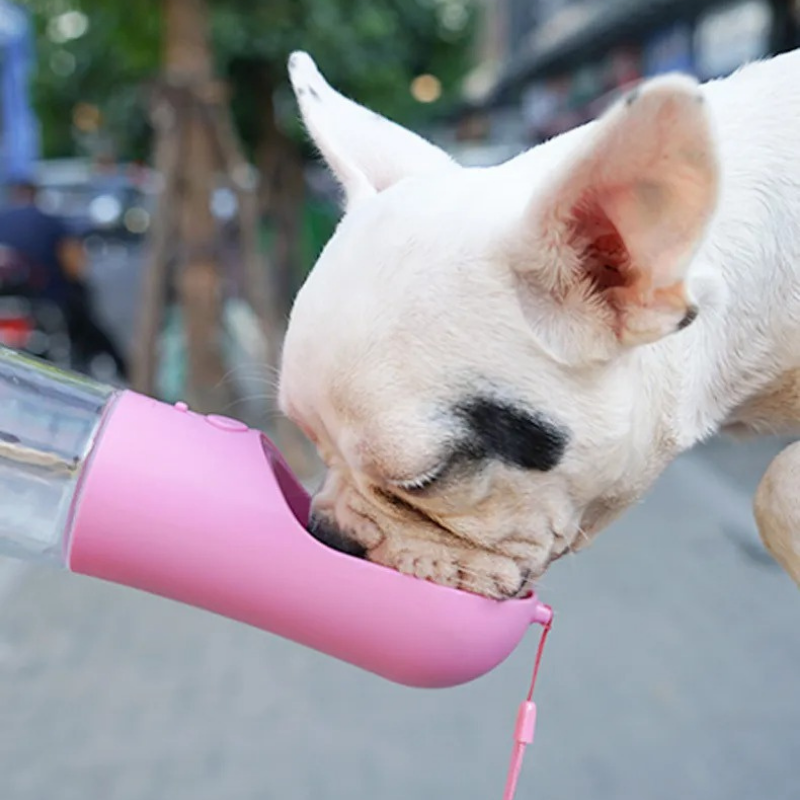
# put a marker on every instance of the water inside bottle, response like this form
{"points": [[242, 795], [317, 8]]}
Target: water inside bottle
{"points": [[48, 422]]}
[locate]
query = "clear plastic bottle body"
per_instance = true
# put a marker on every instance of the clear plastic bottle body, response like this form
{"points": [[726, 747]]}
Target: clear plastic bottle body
{"points": [[49, 420]]}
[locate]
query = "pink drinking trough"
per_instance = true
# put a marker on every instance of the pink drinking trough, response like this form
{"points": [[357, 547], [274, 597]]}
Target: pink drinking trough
{"points": [[204, 510]]}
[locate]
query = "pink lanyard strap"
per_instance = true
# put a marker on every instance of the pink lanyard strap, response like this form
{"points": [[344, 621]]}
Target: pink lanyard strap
{"points": [[526, 723]]}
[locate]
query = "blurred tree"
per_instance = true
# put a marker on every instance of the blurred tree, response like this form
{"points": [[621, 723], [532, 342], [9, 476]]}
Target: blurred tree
{"points": [[101, 67], [97, 55], [101, 53], [97, 58], [94, 54]]}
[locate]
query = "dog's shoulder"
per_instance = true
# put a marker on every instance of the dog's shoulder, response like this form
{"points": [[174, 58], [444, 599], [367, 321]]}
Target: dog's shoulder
{"points": [[775, 410]]}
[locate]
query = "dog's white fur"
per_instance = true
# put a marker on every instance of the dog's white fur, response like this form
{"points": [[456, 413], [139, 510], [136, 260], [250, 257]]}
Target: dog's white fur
{"points": [[558, 281]]}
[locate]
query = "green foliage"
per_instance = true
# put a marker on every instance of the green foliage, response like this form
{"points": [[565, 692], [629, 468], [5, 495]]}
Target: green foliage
{"points": [[107, 66], [369, 49], [372, 49]]}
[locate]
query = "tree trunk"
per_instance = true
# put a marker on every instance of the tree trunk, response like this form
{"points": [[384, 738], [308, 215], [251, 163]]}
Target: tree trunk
{"points": [[187, 53], [188, 65]]}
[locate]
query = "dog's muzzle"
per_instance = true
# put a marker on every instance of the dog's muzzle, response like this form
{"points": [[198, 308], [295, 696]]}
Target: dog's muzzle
{"points": [[326, 532]]}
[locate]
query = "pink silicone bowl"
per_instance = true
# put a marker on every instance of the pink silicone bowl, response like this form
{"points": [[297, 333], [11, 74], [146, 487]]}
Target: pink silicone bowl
{"points": [[204, 510]]}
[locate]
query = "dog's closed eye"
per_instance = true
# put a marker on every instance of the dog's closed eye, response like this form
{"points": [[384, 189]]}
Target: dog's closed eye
{"points": [[492, 430], [423, 481]]}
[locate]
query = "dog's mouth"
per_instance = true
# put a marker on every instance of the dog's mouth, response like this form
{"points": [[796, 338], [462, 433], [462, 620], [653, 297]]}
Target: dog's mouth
{"points": [[330, 535], [527, 586], [497, 573]]}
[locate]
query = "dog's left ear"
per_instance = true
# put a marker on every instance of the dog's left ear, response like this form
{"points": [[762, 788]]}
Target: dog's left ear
{"points": [[366, 152], [623, 219]]}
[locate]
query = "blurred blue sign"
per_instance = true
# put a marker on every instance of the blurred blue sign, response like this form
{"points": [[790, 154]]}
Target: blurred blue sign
{"points": [[19, 134]]}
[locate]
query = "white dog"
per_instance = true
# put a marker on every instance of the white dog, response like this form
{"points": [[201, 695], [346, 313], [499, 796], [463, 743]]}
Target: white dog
{"points": [[494, 363]]}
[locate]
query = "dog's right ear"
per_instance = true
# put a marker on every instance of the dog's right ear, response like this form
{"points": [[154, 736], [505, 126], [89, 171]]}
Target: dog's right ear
{"points": [[621, 221], [365, 151]]}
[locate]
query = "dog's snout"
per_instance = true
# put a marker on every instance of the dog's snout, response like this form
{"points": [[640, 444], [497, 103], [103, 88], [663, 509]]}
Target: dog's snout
{"points": [[325, 531]]}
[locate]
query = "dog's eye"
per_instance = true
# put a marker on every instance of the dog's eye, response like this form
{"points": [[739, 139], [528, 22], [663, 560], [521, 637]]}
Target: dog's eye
{"points": [[422, 482]]}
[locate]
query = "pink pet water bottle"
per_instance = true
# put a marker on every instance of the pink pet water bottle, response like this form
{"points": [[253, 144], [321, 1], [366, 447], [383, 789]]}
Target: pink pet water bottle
{"points": [[203, 510]]}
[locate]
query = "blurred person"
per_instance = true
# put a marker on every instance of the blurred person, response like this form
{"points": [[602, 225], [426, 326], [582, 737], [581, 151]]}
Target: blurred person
{"points": [[47, 243]]}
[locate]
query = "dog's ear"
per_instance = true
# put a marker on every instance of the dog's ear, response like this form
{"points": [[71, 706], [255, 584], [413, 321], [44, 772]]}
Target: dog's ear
{"points": [[366, 152], [624, 217]]}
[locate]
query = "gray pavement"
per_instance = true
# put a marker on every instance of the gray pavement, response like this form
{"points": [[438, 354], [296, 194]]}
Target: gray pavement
{"points": [[673, 672]]}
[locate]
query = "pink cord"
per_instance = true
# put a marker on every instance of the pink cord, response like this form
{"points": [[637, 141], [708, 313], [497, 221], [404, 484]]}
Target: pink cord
{"points": [[526, 723]]}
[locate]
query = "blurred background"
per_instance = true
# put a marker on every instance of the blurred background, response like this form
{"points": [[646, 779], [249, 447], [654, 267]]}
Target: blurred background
{"points": [[159, 208]]}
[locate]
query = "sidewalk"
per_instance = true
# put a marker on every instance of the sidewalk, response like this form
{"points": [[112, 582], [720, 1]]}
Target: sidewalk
{"points": [[672, 672]]}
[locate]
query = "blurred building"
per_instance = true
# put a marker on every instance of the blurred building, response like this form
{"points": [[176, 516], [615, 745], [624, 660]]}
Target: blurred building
{"points": [[544, 66]]}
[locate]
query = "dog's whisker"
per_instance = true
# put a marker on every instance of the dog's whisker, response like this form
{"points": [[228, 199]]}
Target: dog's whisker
{"points": [[262, 371], [581, 534], [241, 401], [240, 370], [260, 379]]}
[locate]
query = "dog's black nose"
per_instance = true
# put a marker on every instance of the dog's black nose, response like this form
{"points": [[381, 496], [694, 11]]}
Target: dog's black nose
{"points": [[325, 531]]}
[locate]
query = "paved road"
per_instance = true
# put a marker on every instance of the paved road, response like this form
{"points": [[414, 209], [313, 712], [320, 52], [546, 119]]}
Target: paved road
{"points": [[673, 672]]}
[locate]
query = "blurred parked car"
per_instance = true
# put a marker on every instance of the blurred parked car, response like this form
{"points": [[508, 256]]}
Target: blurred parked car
{"points": [[113, 202]]}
